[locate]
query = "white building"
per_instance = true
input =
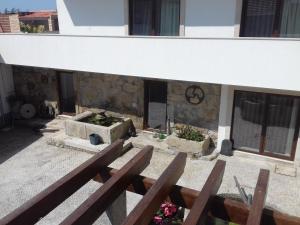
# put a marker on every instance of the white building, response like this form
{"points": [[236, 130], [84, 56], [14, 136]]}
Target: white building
{"points": [[230, 67]]}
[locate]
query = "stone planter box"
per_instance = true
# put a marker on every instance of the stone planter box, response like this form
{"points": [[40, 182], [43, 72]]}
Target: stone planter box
{"points": [[77, 128], [190, 147]]}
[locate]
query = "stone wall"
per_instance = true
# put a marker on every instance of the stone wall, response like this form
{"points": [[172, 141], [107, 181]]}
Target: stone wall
{"points": [[118, 94], [125, 95], [36, 85], [204, 115]]}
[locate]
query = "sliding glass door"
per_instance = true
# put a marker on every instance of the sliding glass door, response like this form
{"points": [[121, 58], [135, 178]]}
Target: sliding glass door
{"points": [[266, 124], [271, 18]]}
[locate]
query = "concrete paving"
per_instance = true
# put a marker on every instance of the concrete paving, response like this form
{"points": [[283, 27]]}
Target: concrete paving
{"points": [[29, 164]]}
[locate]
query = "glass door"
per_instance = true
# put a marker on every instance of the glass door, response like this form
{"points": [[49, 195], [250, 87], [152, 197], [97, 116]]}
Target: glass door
{"points": [[281, 125], [155, 105], [265, 124], [249, 110]]}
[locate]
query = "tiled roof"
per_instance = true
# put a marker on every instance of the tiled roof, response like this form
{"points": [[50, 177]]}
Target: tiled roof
{"points": [[39, 14]]}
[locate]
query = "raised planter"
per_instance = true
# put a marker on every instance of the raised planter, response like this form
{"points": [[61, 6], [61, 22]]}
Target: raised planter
{"points": [[77, 128], [190, 147]]}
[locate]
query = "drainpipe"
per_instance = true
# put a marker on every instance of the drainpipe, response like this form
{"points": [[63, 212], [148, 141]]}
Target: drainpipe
{"points": [[1, 101]]}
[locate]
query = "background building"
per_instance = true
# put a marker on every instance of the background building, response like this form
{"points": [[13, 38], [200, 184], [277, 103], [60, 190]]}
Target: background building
{"points": [[9, 23]]}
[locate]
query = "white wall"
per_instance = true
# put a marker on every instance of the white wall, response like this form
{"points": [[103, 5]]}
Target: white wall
{"points": [[202, 18], [210, 18], [6, 87], [91, 17], [265, 63]]}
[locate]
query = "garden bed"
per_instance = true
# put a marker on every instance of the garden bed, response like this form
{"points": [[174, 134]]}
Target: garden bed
{"points": [[109, 129], [190, 141]]}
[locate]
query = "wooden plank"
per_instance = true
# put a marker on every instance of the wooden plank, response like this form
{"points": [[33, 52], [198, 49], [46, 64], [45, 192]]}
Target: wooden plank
{"points": [[259, 198], [143, 213], [89, 211], [223, 208], [203, 202], [39, 206]]}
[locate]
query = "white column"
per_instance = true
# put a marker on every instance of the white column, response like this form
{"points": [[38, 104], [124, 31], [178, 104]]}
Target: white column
{"points": [[225, 114]]}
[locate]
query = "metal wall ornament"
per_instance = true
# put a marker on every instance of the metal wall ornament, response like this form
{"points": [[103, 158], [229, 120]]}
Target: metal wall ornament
{"points": [[194, 94]]}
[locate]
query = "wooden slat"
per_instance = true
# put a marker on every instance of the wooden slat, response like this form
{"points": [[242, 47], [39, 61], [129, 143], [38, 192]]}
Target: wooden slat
{"points": [[88, 212], [202, 204], [259, 198], [223, 208], [47, 200], [143, 213]]}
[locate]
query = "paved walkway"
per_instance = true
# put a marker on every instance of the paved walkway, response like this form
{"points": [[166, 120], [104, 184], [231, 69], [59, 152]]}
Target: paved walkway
{"points": [[28, 165]]}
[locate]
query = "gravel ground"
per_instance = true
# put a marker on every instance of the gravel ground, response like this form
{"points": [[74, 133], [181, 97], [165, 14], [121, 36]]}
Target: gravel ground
{"points": [[28, 165]]}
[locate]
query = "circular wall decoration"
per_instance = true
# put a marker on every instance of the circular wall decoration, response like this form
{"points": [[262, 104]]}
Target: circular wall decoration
{"points": [[194, 94]]}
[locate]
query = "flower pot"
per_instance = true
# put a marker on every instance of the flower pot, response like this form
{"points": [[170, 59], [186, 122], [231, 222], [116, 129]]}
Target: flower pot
{"points": [[95, 139]]}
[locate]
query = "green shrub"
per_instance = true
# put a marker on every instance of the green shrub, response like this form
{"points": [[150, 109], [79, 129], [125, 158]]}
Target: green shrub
{"points": [[189, 133]]}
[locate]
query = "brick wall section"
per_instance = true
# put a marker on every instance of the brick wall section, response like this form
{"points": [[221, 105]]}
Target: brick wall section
{"points": [[4, 22], [10, 23]]}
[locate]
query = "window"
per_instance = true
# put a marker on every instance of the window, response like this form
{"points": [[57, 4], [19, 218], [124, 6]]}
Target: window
{"points": [[154, 17], [271, 18]]}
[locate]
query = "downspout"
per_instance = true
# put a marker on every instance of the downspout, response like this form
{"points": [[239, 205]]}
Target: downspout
{"points": [[1, 100]]}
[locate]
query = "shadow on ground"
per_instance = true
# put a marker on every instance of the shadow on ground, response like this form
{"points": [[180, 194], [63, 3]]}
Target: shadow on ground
{"points": [[15, 140]]}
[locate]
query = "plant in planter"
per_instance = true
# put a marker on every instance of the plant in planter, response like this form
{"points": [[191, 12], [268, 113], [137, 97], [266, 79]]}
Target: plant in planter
{"points": [[168, 214], [189, 133], [102, 120]]}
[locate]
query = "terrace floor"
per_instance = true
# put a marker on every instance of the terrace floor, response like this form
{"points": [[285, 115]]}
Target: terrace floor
{"points": [[28, 165]]}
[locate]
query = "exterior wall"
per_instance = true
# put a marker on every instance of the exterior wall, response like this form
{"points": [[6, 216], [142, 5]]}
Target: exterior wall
{"points": [[10, 23], [274, 62], [226, 105], [211, 18], [204, 115], [14, 23], [6, 90], [53, 23], [36, 85], [92, 17], [201, 18], [121, 95], [125, 95]]}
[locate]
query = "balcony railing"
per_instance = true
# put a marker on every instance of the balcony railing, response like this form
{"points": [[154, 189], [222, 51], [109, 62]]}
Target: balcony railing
{"points": [[269, 63]]}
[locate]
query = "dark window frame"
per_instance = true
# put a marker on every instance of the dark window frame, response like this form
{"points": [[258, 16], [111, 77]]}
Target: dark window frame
{"points": [[278, 16], [155, 29], [263, 133]]}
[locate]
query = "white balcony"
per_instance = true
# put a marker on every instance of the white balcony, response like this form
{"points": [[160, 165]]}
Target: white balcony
{"points": [[267, 63]]}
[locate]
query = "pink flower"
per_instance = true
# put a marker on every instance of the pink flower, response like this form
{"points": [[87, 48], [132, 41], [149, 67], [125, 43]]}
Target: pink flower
{"points": [[168, 209], [157, 219]]}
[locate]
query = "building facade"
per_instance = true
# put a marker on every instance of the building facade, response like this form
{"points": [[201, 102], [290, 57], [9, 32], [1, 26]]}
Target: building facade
{"points": [[230, 68], [9, 23], [46, 20]]}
